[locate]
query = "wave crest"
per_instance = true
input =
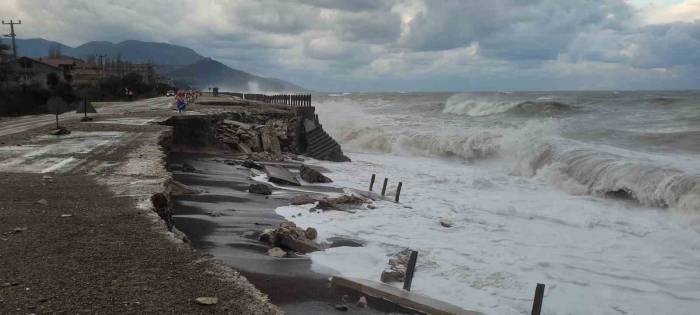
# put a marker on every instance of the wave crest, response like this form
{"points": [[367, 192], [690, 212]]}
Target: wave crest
{"points": [[484, 105]]}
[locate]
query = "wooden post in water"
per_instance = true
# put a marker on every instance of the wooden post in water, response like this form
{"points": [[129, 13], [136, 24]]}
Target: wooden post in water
{"points": [[539, 296], [410, 270], [371, 182], [386, 181], [398, 192]]}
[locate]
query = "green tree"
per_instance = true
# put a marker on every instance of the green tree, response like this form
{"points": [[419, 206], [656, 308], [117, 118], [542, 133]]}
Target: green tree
{"points": [[52, 80]]}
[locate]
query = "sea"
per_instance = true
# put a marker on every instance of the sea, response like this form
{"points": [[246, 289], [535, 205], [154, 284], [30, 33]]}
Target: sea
{"points": [[594, 194]]}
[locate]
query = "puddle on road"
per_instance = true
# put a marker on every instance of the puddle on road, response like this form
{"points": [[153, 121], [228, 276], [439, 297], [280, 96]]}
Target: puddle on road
{"points": [[55, 154]]}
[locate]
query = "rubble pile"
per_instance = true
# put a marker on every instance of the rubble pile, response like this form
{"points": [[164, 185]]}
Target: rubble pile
{"points": [[289, 237], [259, 142]]}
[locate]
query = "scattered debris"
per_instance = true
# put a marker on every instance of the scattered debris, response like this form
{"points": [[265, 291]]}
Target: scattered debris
{"points": [[396, 268], [341, 307], [343, 242], [187, 168], [277, 252], [206, 300], [175, 188], [84, 119], [66, 215], [305, 199], [362, 302], [17, 230], [312, 175], [60, 131], [259, 188], [48, 179], [253, 165], [42, 202], [446, 223]]}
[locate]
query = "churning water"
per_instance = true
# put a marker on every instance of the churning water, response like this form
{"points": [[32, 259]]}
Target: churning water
{"points": [[595, 194]]}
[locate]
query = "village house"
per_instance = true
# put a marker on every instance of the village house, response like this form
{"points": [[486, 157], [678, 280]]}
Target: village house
{"points": [[32, 71], [76, 71]]}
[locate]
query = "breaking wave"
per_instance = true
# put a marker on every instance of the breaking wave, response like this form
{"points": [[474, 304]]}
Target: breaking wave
{"points": [[534, 149], [484, 105]]}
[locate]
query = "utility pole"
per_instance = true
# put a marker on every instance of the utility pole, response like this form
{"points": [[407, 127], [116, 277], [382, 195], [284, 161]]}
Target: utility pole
{"points": [[102, 65], [13, 35]]}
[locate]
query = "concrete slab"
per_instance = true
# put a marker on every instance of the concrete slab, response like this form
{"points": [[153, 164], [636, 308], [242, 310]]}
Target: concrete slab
{"points": [[280, 175], [407, 299]]}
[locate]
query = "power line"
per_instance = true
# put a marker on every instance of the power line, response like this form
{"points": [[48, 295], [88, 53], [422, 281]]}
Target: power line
{"points": [[13, 35]]}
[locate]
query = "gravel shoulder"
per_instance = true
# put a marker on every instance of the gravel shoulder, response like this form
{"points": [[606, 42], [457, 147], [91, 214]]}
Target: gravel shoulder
{"points": [[70, 242]]}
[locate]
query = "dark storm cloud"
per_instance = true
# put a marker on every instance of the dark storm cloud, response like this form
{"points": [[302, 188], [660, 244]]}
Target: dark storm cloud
{"points": [[350, 5], [375, 43]]}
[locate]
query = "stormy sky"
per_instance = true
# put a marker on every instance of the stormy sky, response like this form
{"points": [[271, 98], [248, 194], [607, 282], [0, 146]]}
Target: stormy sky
{"points": [[402, 45]]}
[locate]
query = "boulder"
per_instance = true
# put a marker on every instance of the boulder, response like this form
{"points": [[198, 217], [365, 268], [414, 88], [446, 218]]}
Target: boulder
{"points": [[311, 233], [311, 175], [446, 223], [276, 252], [287, 225], [260, 188], [395, 270], [295, 243], [267, 236], [344, 202]]}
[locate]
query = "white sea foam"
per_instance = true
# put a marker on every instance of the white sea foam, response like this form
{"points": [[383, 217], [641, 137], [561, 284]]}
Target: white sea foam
{"points": [[527, 206], [510, 233]]}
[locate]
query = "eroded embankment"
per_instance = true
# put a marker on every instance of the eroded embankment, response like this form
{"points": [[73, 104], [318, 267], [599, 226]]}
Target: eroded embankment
{"points": [[221, 216]]}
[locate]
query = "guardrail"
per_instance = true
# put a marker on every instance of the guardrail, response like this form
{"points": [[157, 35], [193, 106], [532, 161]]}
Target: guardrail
{"points": [[295, 100]]}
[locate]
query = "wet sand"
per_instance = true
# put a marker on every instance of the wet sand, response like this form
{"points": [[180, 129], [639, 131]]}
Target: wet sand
{"points": [[225, 220]]}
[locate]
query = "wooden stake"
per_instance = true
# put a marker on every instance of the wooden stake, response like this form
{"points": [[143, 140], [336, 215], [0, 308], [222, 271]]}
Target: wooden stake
{"points": [[410, 270], [398, 192], [539, 296], [371, 182], [386, 181]]}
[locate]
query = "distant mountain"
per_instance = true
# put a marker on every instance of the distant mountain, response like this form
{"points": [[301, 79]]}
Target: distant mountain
{"points": [[130, 50], [38, 47], [180, 63], [211, 73]]}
